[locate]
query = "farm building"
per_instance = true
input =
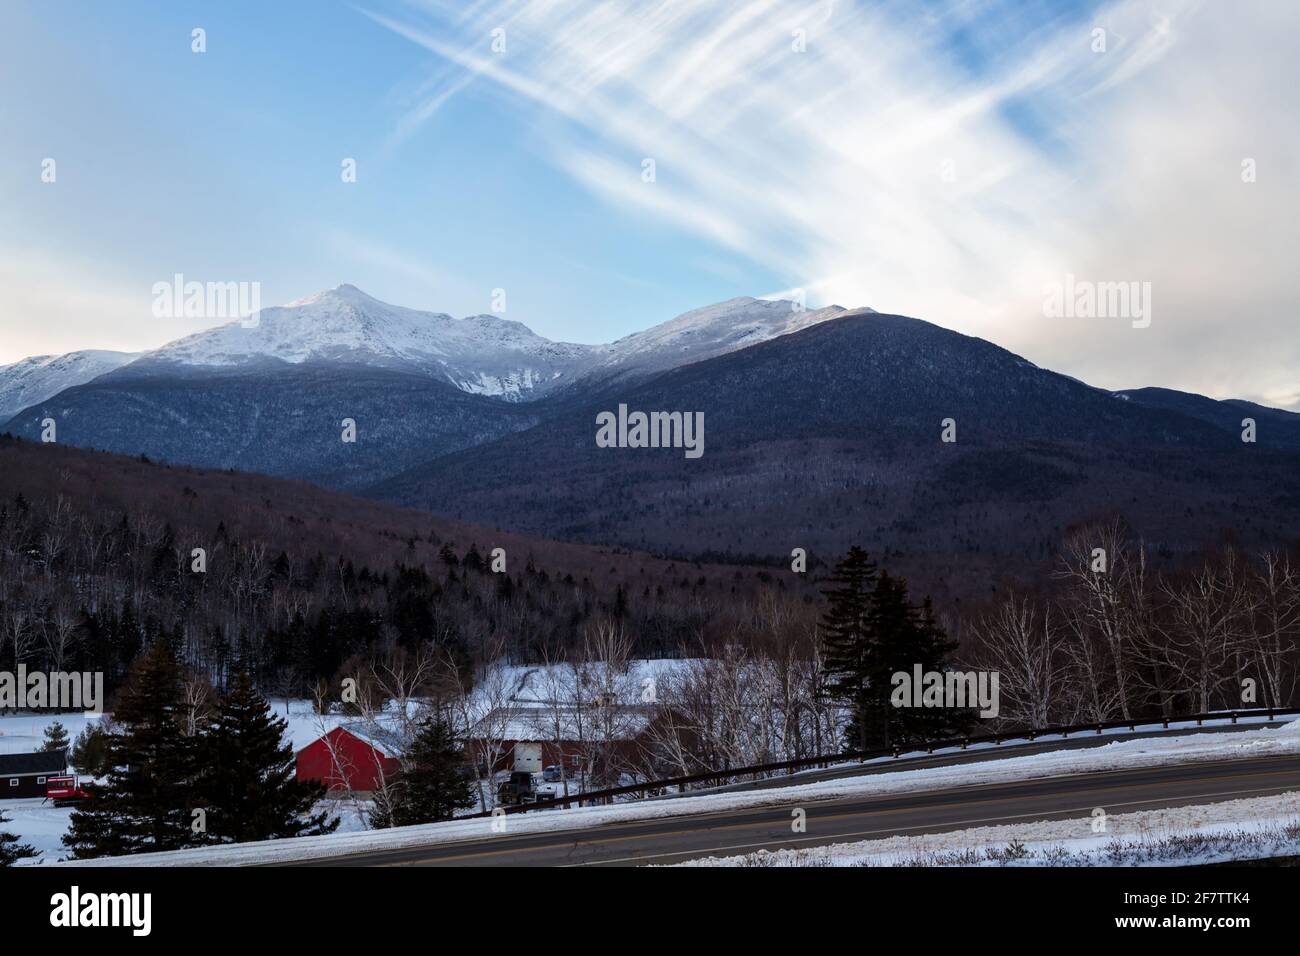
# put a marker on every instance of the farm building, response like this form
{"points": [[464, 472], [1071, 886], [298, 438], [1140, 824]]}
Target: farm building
{"points": [[597, 720], [521, 737], [24, 775], [350, 757]]}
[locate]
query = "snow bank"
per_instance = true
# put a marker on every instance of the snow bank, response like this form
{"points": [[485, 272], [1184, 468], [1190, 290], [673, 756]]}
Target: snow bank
{"points": [[1128, 839], [1120, 755]]}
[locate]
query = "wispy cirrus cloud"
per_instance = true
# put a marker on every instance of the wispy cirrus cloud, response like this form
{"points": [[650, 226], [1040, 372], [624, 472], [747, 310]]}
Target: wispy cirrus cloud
{"points": [[943, 160]]}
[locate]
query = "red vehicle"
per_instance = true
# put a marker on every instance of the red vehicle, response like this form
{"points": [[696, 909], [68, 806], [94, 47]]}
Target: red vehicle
{"points": [[65, 790]]}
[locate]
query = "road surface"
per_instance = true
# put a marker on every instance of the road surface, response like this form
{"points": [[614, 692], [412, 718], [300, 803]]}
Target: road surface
{"points": [[1081, 740], [731, 832]]}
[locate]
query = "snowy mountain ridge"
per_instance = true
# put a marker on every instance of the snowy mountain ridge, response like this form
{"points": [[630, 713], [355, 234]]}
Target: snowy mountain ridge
{"points": [[36, 378], [479, 354], [710, 331]]}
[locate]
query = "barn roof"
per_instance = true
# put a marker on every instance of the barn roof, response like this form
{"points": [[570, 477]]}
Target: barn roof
{"points": [[536, 723], [385, 740], [42, 761]]}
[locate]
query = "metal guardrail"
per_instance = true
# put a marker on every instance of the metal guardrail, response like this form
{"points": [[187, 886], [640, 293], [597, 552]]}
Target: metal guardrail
{"points": [[719, 777]]}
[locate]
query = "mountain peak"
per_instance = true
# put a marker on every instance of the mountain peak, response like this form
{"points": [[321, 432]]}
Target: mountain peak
{"points": [[484, 355], [710, 331], [481, 354], [343, 293]]}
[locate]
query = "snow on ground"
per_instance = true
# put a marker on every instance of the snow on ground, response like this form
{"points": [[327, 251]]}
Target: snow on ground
{"points": [[39, 824], [1120, 755], [25, 732], [987, 745], [1210, 833], [42, 824]]}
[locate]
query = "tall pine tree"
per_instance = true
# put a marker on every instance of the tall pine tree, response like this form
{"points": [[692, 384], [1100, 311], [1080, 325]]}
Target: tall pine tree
{"points": [[872, 632], [930, 647], [849, 641], [434, 783], [90, 751], [56, 737], [147, 800], [247, 783]]}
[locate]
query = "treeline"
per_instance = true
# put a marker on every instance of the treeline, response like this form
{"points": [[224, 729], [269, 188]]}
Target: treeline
{"points": [[1112, 640], [87, 589], [1098, 636]]}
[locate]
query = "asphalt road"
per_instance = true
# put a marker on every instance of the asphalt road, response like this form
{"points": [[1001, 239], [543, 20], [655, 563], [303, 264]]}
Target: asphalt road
{"points": [[1053, 744], [858, 818]]}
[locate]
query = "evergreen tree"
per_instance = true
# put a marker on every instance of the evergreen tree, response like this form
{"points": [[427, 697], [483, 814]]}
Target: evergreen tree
{"points": [[90, 751], [848, 641], [56, 737], [248, 784], [896, 646], [874, 631], [927, 644], [907, 637], [434, 783], [146, 802], [11, 851]]}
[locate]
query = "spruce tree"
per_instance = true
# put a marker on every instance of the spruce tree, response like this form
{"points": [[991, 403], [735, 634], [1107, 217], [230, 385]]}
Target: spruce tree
{"points": [[872, 631], [11, 851], [248, 784], [56, 737], [894, 625], [434, 783], [848, 641], [146, 802], [90, 751], [907, 636], [933, 649]]}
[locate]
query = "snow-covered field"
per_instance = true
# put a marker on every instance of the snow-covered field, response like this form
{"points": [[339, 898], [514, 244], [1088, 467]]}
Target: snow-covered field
{"points": [[1120, 755], [23, 733], [1212, 833], [42, 824]]}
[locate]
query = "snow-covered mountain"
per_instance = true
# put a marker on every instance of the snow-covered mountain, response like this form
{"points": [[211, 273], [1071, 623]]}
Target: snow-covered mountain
{"points": [[482, 354], [268, 395], [708, 332], [35, 379]]}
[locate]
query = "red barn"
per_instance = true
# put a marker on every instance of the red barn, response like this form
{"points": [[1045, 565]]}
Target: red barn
{"points": [[350, 757]]}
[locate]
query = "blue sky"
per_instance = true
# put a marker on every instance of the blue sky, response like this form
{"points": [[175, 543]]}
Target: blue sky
{"points": [[820, 169], [227, 164]]}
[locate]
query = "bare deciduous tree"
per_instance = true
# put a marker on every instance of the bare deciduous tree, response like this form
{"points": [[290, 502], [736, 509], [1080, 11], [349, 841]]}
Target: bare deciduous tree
{"points": [[1025, 646]]}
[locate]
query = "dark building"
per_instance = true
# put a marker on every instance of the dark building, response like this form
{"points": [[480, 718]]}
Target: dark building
{"points": [[24, 775]]}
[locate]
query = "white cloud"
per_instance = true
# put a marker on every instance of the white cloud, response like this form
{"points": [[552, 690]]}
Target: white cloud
{"points": [[828, 166]]}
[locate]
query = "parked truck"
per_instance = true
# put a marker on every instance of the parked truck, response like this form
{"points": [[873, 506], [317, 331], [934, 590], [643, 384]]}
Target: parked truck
{"points": [[518, 788]]}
